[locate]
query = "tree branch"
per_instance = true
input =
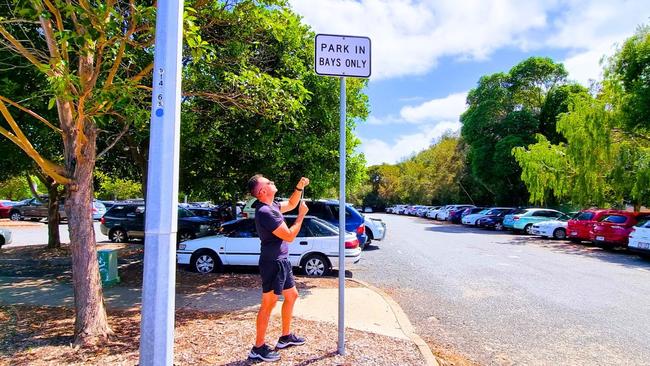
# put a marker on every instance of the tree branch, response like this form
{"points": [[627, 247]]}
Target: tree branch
{"points": [[53, 170], [118, 138], [22, 50], [59, 26], [33, 114]]}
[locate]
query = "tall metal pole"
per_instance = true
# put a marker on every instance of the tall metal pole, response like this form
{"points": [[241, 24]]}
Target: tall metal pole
{"points": [[342, 156], [157, 324]]}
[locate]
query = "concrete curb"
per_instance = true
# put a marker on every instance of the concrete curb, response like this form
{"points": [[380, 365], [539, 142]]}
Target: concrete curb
{"points": [[405, 324]]}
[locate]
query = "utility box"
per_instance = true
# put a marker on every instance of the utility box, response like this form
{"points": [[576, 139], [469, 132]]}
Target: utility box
{"points": [[108, 267]]}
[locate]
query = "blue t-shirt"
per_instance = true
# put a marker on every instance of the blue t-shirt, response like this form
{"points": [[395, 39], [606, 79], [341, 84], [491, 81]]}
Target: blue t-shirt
{"points": [[267, 219]]}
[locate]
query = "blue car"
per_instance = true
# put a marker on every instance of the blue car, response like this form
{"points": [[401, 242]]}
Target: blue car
{"points": [[328, 210]]}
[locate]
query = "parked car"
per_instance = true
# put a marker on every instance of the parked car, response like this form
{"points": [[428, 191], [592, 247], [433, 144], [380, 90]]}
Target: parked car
{"points": [[578, 227], [639, 238], [98, 210], [328, 210], [315, 249], [5, 237], [5, 208], [445, 214], [433, 212], [523, 220], [375, 229], [614, 228], [495, 221], [124, 222], [495, 213], [556, 229], [456, 217], [34, 209], [221, 214], [474, 215]]}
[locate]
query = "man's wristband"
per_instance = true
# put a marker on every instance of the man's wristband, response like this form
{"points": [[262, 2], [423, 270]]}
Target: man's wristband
{"points": [[298, 189]]}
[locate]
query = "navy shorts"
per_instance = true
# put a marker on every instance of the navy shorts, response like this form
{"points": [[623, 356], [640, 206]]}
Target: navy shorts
{"points": [[277, 275]]}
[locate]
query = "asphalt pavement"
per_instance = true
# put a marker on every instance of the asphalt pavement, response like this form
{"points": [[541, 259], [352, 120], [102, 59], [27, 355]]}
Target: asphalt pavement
{"points": [[505, 299], [35, 233]]}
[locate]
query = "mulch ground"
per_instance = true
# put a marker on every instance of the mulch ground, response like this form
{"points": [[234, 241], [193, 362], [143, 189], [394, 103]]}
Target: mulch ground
{"points": [[43, 336]]}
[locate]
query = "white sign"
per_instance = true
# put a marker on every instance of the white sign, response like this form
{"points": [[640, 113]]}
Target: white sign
{"points": [[342, 55]]}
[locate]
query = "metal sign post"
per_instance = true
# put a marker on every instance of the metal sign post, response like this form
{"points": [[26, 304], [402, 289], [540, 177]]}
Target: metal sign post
{"points": [[342, 231], [342, 56], [158, 287]]}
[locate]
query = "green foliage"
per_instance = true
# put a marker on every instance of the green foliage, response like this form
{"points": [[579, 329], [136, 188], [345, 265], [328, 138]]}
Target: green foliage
{"points": [[273, 114], [601, 156], [432, 176], [628, 76], [506, 111], [111, 188], [16, 188]]}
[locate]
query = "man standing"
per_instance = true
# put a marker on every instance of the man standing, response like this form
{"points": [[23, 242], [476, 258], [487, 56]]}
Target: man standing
{"points": [[275, 268]]}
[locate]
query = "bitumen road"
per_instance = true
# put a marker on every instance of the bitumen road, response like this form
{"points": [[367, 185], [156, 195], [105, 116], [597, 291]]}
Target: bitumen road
{"points": [[505, 299], [35, 233]]}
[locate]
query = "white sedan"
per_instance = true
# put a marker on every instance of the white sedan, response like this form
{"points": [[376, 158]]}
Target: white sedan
{"points": [[315, 249], [550, 229], [473, 218], [639, 239]]}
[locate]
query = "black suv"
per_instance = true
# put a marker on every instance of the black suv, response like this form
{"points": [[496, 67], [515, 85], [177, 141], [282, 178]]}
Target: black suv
{"points": [[125, 221]]}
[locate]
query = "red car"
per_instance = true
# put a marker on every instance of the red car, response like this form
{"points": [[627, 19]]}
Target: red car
{"points": [[4, 210], [580, 225], [614, 228]]}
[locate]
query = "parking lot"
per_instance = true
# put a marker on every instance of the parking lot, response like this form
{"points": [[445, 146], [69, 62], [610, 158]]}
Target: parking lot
{"points": [[512, 299]]}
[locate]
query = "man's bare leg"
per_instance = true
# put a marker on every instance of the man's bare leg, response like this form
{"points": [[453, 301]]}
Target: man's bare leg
{"points": [[290, 297], [268, 303]]}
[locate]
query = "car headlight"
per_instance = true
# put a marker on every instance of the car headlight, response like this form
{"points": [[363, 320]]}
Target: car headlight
{"points": [[204, 228], [182, 246]]}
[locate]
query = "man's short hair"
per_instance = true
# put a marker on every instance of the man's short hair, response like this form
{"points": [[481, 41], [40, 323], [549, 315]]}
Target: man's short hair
{"points": [[252, 183]]}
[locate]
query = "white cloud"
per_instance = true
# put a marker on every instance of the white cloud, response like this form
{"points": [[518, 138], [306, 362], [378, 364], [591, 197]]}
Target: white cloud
{"points": [[409, 36], [447, 108], [585, 67], [378, 151]]}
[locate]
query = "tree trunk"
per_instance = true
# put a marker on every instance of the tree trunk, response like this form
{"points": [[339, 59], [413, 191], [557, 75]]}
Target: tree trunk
{"points": [[140, 154], [91, 324], [53, 217]]}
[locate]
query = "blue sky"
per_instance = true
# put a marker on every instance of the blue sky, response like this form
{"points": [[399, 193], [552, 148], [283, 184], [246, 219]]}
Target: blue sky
{"points": [[426, 54]]}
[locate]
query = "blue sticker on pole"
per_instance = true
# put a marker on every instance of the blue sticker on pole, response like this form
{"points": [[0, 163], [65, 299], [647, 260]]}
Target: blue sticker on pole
{"points": [[159, 112]]}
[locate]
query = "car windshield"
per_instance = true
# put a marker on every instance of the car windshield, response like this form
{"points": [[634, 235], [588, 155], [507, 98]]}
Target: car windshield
{"points": [[616, 219], [584, 216], [519, 211], [485, 212], [183, 212]]}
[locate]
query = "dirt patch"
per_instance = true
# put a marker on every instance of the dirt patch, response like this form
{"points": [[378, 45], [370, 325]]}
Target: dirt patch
{"points": [[9, 224], [43, 336], [448, 356], [190, 282], [41, 252]]}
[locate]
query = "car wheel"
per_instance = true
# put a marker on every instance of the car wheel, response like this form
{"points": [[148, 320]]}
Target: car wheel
{"points": [[2, 241], [559, 234], [15, 216], [185, 236], [316, 265], [118, 236], [498, 226], [528, 229], [205, 262]]}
